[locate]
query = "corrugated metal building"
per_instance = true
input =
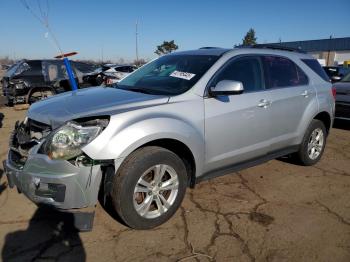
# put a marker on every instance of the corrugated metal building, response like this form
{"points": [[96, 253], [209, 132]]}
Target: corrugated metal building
{"points": [[331, 51]]}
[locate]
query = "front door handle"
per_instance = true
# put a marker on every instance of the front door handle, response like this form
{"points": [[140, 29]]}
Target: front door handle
{"points": [[264, 103], [305, 94]]}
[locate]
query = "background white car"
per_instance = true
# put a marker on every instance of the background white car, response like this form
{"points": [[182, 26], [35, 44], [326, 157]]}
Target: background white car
{"points": [[117, 72]]}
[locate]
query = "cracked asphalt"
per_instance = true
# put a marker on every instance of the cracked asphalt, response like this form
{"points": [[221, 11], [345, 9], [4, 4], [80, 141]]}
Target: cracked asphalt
{"points": [[277, 211]]}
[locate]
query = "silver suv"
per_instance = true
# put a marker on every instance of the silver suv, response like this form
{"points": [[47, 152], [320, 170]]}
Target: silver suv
{"points": [[178, 120]]}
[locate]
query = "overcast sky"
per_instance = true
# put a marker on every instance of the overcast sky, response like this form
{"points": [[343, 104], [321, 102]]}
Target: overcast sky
{"points": [[95, 27]]}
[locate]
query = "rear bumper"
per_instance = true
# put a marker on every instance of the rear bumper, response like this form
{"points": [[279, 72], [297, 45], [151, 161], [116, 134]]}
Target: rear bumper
{"points": [[342, 110]]}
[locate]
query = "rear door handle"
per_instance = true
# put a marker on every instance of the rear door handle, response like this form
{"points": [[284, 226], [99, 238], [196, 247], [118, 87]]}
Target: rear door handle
{"points": [[305, 94], [264, 103]]}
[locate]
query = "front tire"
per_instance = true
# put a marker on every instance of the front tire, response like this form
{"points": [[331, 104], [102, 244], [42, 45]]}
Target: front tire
{"points": [[313, 144], [149, 187]]}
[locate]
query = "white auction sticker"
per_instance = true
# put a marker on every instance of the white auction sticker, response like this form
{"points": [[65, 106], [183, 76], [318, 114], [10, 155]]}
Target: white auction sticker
{"points": [[183, 75]]}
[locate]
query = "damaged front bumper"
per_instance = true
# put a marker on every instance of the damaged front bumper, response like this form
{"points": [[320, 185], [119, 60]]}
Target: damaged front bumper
{"points": [[60, 184]]}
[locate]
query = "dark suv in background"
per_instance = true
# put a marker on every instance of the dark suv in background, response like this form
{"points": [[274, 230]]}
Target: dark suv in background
{"points": [[342, 103], [30, 80], [336, 73]]}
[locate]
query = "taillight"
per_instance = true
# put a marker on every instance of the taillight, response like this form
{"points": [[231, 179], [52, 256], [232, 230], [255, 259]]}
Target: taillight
{"points": [[334, 92]]}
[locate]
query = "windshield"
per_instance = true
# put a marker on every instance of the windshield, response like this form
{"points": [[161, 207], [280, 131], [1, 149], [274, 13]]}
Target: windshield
{"points": [[346, 78], [17, 69], [168, 75], [11, 71]]}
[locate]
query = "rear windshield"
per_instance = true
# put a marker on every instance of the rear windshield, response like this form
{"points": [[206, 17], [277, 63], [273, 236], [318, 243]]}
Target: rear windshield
{"points": [[124, 69], [316, 67]]}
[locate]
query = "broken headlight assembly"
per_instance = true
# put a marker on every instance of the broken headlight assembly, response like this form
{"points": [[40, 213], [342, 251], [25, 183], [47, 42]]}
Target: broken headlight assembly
{"points": [[20, 85], [66, 142]]}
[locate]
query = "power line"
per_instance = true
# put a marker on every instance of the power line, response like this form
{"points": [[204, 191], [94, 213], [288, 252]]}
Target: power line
{"points": [[137, 48], [43, 18]]}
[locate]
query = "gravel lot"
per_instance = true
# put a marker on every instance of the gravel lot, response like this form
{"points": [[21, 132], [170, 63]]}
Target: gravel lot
{"points": [[273, 212]]}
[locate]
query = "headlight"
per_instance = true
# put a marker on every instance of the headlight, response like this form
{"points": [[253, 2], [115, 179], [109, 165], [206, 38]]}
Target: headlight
{"points": [[20, 85], [67, 141]]}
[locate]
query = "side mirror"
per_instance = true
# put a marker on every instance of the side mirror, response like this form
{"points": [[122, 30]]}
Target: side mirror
{"points": [[227, 87]]}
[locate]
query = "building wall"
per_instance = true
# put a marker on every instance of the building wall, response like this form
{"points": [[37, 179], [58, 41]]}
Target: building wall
{"points": [[339, 49], [342, 56], [328, 57], [332, 58]]}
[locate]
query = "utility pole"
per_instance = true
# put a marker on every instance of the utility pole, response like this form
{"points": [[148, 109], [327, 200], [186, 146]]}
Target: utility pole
{"points": [[329, 49], [137, 48]]}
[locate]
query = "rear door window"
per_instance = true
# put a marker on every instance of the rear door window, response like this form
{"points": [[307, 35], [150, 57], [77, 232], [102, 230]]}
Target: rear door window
{"points": [[282, 72], [54, 70]]}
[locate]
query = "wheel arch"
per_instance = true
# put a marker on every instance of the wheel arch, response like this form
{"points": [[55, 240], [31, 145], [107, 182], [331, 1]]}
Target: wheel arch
{"points": [[325, 118], [182, 151], [33, 89]]}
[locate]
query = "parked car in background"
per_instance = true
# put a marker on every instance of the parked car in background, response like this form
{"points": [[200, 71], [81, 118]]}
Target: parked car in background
{"points": [[342, 102], [117, 72], [31, 80], [178, 120], [336, 73], [5, 67], [109, 74]]}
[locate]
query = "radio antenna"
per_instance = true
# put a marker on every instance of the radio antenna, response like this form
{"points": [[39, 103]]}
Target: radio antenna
{"points": [[43, 18]]}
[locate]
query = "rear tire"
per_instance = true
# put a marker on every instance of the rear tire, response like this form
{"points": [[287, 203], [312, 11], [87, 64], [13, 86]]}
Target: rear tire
{"points": [[149, 187], [314, 142]]}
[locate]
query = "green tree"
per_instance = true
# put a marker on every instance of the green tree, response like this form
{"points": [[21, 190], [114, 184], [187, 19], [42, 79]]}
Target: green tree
{"points": [[250, 38], [166, 48]]}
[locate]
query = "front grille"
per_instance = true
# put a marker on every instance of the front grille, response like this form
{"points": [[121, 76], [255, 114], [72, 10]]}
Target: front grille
{"points": [[26, 135]]}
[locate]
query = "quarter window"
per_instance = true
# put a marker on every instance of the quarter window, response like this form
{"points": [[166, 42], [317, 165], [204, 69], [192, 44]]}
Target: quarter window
{"points": [[246, 70], [316, 67], [282, 72]]}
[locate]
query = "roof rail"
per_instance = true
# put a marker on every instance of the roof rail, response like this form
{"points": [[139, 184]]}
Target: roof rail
{"points": [[209, 47], [274, 46]]}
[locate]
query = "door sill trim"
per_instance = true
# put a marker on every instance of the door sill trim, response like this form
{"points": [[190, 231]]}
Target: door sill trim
{"points": [[246, 164]]}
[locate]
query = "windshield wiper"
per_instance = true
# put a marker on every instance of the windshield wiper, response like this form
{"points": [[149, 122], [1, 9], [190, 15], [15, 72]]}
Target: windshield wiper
{"points": [[138, 90]]}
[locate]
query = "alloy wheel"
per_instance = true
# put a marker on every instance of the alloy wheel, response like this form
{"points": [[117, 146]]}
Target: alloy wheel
{"points": [[156, 191], [315, 144]]}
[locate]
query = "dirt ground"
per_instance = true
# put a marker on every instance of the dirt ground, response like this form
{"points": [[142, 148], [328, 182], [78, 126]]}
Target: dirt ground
{"points": [[273, 212]]}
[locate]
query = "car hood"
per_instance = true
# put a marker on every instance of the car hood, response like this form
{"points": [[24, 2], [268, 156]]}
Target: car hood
{"points": [[94, 101]]}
